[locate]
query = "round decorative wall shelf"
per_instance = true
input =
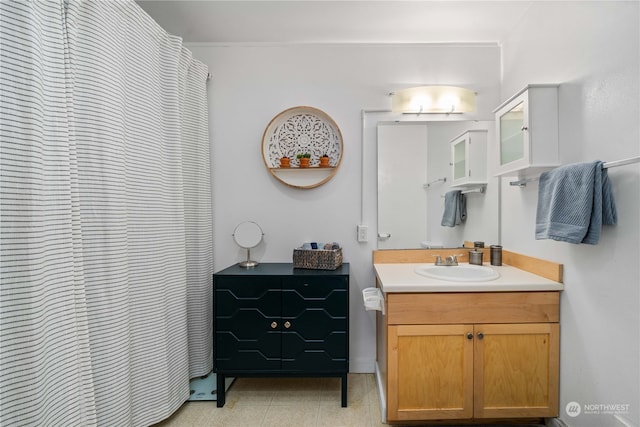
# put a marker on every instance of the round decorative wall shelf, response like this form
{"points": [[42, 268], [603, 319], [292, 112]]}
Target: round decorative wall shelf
{"points": [[302, 130]]}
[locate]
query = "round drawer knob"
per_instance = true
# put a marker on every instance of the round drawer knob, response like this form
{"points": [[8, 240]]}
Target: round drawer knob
{"points": [[274, 325], [287, 324], [480, 335], [469, 336]]}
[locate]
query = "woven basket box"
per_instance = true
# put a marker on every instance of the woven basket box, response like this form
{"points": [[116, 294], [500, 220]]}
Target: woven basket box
{"points": [[317, 259]]}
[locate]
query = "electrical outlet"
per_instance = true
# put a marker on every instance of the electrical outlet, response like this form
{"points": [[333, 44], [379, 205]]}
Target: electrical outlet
{"points": [[362, 233]]}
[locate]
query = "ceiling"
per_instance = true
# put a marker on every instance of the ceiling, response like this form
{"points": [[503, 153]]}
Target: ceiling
{"points": [[337, 21]]}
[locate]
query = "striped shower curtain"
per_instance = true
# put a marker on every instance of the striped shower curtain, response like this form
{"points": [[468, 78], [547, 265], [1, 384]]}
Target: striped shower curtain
{"points": [[105, 216]]}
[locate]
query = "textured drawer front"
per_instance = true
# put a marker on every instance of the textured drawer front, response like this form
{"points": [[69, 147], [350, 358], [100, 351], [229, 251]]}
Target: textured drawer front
{"points": [[327, 293]]}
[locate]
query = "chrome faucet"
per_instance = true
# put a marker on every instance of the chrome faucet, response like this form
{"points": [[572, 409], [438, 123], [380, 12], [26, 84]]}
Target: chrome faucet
{"points": [[451, 260]]}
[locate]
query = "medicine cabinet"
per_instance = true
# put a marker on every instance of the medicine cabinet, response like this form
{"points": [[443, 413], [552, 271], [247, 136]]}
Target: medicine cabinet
{"points": [[527, 129], [469, 159]]}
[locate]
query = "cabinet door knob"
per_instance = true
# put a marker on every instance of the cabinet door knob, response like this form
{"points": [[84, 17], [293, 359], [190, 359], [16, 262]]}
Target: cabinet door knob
{"points": [[274, 325], [287, 324], [469, 336], [480, 335]]}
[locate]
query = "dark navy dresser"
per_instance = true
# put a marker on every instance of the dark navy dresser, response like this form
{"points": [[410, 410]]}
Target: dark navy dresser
{"points": [[276, 320]]}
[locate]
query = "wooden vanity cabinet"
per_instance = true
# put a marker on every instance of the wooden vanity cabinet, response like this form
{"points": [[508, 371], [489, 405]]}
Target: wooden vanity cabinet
{"points": [[459, 356]]}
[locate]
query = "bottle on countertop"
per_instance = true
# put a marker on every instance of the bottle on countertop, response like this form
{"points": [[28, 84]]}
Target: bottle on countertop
{"points": [[475, 257], [495, 252]]}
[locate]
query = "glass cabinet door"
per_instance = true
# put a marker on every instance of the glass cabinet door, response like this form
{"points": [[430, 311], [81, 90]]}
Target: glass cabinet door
{"points": [[459, 159], [512, 142]]}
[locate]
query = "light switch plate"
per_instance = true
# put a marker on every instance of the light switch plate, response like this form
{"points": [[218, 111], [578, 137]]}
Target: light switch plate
{"points": [[363, 233]]}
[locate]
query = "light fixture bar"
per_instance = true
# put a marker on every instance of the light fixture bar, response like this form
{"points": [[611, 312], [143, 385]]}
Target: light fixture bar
{"points": [[434, 100]]}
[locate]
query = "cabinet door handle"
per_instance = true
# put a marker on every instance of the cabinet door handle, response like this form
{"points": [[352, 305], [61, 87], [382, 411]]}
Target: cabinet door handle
{"points": [[274, 325], [523, 128], [480, 335], [469, 336], [287, 324]]}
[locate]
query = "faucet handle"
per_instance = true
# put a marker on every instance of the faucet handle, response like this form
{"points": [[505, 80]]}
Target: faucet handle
{"points": [[453, 259], [438, 259]]}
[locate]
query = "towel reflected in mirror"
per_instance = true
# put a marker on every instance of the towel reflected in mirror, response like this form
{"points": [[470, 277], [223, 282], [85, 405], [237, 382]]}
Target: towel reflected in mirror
{"points": [[455, 208]]}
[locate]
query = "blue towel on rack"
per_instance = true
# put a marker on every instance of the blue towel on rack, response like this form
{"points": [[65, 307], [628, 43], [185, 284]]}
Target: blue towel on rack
{"points": [[573, 203], [455, 208]]}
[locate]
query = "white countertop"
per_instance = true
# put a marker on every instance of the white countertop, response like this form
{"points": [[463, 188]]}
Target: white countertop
{"points": [[401, 277]]}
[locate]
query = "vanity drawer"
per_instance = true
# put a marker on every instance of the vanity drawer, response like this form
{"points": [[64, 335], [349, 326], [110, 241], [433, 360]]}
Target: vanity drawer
{"points": [[472, 307]]}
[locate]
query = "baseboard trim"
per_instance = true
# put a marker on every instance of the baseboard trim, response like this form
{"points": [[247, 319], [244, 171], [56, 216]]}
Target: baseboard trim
{"points": [[381, 394], [362, 365]]}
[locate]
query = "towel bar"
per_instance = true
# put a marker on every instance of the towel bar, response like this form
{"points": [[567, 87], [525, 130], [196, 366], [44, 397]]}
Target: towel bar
{"points": [[427, 185], [473, 190], [606, 165]]}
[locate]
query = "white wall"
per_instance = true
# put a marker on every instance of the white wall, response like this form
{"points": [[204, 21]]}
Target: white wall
{"points": [[591, 49], [251, 84]]}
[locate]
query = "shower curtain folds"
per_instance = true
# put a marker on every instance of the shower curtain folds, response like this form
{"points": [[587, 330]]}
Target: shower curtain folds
{"points": [[106, 228]]}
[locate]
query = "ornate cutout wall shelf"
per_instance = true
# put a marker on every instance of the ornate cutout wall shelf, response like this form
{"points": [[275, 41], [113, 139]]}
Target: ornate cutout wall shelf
{"points": [[301, 130]]}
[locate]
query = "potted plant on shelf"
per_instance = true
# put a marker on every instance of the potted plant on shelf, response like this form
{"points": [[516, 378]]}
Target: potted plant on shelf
{"points": [[324, 161], [285, 162], [304, 159]]}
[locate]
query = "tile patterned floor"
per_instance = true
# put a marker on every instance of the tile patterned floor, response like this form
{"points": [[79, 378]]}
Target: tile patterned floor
{"points": [[283, 402], [292, 402]]}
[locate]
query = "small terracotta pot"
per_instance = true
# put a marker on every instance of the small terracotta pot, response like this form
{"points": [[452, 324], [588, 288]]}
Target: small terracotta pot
{"points": [[285, 162], [304, 162], [324, 162]]}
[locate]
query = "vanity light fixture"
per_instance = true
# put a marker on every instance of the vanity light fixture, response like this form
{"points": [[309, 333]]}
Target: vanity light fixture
{"points": [[433, 99]]}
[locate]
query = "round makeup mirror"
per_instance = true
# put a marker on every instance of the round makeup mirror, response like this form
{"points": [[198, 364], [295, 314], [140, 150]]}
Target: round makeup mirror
{"points": [[248, 235]]}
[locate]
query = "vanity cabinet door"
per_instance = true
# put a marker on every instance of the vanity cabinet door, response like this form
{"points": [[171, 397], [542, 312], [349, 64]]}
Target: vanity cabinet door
{"points": [[315, 324], [516, 370], [430, 372]]}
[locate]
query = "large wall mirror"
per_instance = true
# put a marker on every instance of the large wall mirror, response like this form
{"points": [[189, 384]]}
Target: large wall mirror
{"points": [[414, 174]]}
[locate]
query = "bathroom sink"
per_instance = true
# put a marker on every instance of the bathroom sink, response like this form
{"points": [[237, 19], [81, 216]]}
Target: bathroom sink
{"points": [[459, 273]]}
